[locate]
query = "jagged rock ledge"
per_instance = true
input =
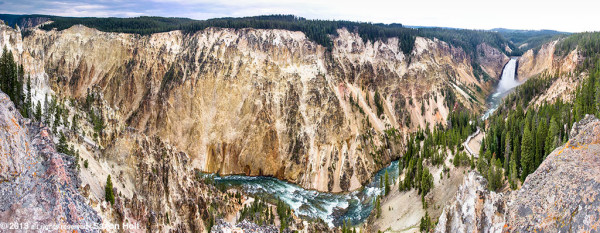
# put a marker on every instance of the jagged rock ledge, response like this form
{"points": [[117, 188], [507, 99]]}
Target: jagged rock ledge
{"points": [[562, 195], [38, 185]]}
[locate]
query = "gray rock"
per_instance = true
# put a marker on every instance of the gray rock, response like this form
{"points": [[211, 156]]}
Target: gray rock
{"points": [[563, 194], [475, 209], [38, 186]]}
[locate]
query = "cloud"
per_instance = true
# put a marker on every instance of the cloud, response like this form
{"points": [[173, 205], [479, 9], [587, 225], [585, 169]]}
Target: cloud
{"points": [[576, 15]]}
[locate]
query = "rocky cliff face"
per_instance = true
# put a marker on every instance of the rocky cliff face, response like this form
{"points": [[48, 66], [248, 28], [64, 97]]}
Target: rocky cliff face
{"points": [[160, 191], [475, 209], [492, 60], [260, 102], [560, 196], [155, 188], [534, 63], [39, 187], [546, 63]]}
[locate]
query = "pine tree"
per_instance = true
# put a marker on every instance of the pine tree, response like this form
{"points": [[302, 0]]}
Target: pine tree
{"points": [[597, 94], [419, 173], [387, 183], [507, 151], [56, 119], [29, 104], [74, 123], [527, 153], [514, 173], [482, 162], [62, 146], [20, 78], [425, 224], [38, 112], [552, 138], [540, 142], [46, 116], [378, 206], [494, 175], [426, 182], [11, 79], [108, 191]]}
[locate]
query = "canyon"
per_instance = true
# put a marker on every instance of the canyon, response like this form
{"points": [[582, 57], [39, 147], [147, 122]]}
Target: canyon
{"points": [[194, 126], [259, 102]]}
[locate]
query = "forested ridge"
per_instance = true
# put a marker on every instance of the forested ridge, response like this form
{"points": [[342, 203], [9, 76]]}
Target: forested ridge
{"points": [[529, 39], [316, 30], [588, 45]]}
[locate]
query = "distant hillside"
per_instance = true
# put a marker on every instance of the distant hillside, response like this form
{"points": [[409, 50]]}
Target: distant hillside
{"points": [[24, 21], [316, 30], [529, 39]]}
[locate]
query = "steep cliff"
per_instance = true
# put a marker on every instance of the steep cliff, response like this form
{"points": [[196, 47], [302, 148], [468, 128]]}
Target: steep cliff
{"points": [[544, 60], [39, 186], [475, 209], [261, 102], [159, 190], [545, 63]]}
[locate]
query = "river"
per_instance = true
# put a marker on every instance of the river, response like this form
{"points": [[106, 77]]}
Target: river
{"points": [[355, 206]]}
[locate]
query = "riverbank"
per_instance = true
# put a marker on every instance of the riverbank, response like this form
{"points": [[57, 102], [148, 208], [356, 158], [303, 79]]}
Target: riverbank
{"points": [[402, 211]]}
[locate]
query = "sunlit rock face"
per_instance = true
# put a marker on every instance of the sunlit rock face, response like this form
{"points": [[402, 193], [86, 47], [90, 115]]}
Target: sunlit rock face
{"points": [[261, 102], [475, 208], [533, 62]]}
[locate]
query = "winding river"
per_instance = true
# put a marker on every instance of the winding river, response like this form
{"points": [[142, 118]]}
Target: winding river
{"points": [[355, 206]]}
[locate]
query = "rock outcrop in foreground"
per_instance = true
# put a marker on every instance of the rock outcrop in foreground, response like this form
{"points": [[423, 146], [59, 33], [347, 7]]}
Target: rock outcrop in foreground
{"points": [[562, 195], [38, 185]]}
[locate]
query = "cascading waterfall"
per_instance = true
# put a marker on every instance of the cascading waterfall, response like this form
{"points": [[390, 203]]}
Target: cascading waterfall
{"points": [[506, 84]]}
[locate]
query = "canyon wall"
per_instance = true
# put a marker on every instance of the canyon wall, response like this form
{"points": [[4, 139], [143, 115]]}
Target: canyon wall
{"points": [[532, 63], [547, 64], [259, 102]]}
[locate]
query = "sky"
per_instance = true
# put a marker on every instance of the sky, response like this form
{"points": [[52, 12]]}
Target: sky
{"points": [[565, 15]]}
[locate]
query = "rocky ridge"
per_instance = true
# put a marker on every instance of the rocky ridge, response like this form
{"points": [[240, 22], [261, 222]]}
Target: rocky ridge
{"points": [[562, 194], [39, 187], [155, 188]]}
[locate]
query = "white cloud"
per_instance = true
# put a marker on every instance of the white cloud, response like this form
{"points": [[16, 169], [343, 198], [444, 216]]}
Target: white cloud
{"points": [[572, 15]]}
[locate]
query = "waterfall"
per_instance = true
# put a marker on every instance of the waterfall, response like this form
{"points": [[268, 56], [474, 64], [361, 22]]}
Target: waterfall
{"points": [[506, 84]]}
